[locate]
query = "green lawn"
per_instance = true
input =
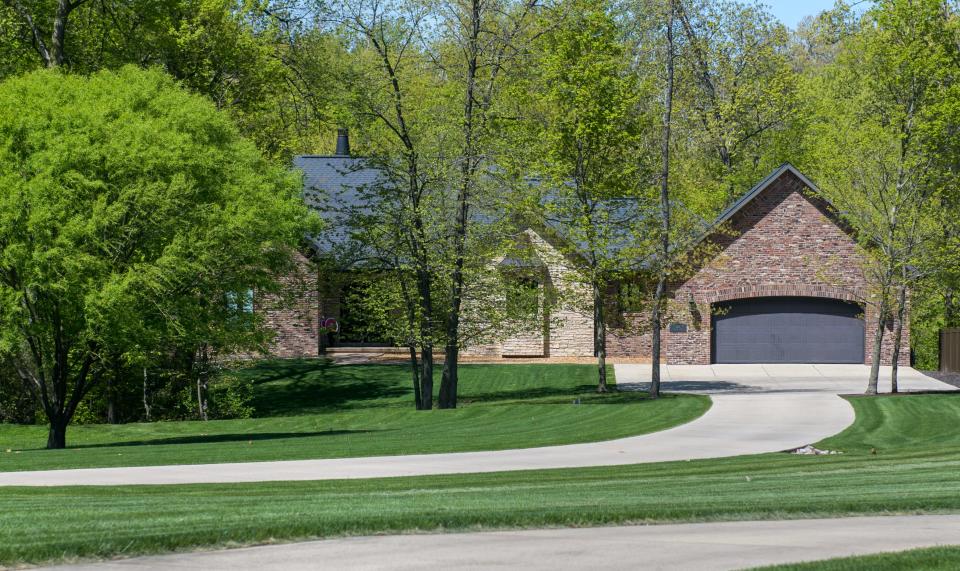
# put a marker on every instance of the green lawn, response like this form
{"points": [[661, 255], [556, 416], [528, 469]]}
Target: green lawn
{"points": [[929, 559], [916, 469], [312, 409]]}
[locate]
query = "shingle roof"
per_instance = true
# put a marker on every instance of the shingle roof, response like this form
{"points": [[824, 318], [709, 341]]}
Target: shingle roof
{"points": [[336, 185], [333, 185]]}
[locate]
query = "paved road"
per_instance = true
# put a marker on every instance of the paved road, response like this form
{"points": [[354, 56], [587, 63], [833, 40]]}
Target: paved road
{"points": [[755, 410], [700, 546]]}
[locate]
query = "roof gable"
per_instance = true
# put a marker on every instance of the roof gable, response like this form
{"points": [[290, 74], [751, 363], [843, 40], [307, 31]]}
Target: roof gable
{"points": [[780, 232], [763, 185]]}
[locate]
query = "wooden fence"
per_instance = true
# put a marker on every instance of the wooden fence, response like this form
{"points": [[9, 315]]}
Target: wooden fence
{"points": [[950, 350]]}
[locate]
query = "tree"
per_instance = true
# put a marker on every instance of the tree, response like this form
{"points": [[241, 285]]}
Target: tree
{"points": [[585, 138], [424, 80], [132, 215], [818, 38], [664, 253], [736, 89], [886, 112], [228, 50], [48, 38], [390, 71], [483, 33]]}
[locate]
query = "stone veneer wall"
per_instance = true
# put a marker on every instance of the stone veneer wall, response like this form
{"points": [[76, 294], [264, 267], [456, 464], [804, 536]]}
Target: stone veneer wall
{"points": [[570, 331], [784, 243]]}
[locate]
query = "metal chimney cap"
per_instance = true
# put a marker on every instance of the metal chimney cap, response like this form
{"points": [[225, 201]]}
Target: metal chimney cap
{"points": [[343, 143]]}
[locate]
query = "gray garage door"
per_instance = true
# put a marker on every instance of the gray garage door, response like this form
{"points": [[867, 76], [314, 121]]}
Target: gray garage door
{"points": [[787, 330]]}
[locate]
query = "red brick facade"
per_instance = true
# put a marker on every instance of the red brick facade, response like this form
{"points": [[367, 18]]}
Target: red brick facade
{"points": [[294, 315], [784, 242]]}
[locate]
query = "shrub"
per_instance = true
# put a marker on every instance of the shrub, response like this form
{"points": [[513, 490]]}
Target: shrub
{"points": [[229, 396], [17, 404]]}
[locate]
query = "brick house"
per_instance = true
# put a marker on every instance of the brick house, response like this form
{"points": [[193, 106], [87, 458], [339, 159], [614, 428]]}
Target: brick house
{"points": [[786, 284]]}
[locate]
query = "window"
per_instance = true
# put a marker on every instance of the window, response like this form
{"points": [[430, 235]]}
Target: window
{"points": [[522, 295], [241, 302], [630, 297]]}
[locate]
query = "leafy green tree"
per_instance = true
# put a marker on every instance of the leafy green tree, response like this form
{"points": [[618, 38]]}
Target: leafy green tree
{"points": [[587, 135], [424, 79], [132, 214], [235, 52], [399, 100], [662, 260], [735, 93], [819, 38], [885, 117], [484, 38]]}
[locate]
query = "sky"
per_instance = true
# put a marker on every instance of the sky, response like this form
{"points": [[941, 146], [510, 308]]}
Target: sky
{"points": [[790, 12]]}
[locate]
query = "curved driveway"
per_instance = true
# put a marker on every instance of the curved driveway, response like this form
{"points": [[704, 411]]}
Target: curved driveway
{"points": [[702, 546], [755, 409]]}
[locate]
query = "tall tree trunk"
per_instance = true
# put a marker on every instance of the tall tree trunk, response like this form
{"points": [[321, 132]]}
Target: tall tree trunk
{"points": [[449, 378], [898, 335], [201, 399], [600, 337], [425, 298], [57, 433], [58, 400], [64, 7], [450, 375], [655, 340], [415, 235], [426, 375], [146, 396], [412, 342], [111, 402], [873, 381], [656, 317], [202, 382], [426, 340], [113, 381], [415, 372]]}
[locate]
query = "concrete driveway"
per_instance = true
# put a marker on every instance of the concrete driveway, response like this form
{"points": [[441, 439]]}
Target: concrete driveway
{"points": [[755, 409], [700, 546], [756, 379]]}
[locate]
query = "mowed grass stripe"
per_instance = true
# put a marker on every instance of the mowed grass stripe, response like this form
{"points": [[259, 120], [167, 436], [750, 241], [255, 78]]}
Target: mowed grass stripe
{"points": [[348, 411], [49, 524], [925, 559]]}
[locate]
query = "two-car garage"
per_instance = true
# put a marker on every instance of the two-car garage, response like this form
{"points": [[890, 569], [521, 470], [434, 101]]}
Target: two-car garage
{"points": [[787, 330]]}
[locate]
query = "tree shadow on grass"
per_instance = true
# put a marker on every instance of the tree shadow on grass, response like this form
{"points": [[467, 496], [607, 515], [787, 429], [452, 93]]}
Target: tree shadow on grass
{"points": [[295, 387], [474, 395], [706, 387], [311, 386], [222, 438]]}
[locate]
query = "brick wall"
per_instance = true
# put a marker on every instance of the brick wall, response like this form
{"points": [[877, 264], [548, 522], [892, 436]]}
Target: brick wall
{"points": [[293, 314], [783, 243]]}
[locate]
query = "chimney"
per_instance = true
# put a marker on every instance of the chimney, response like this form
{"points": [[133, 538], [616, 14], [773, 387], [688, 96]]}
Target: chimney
{"points": [[343, 143]]}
